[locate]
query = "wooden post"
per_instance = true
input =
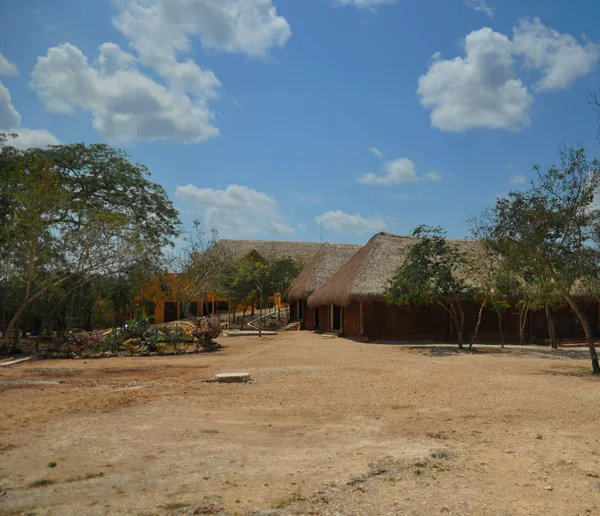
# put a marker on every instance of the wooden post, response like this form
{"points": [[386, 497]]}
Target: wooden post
{"points": [[361, 319]]}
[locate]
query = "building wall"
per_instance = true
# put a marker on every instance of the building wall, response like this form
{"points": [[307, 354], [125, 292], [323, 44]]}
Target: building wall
{"points": [[351, 320], [388, 322], [566, 323], [323, 319], [309, 323]]}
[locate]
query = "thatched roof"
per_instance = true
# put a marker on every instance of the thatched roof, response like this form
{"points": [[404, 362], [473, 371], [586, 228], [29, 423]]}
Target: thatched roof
{"points": [[324, 264], [367, 274], [236, 249]]}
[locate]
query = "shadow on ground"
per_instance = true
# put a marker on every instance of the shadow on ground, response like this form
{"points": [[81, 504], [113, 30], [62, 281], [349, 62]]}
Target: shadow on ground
{"points": [[541, 352]]}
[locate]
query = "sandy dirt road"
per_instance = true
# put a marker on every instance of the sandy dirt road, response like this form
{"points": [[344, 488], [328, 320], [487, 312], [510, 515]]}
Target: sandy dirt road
{"points": [[329, 427]]}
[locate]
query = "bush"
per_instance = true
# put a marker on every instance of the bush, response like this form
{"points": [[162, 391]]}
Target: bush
{"points": [[207, 333], [174, 335], [137, 327], [113, 341]]}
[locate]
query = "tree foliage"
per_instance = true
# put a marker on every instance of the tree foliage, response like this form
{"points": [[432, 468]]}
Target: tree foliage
{"points": [[72, 211], [550, 232], [431, 273]]}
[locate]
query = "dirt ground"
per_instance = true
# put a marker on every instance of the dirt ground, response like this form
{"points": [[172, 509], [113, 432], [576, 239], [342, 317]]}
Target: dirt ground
{"points": [[329, 427]]}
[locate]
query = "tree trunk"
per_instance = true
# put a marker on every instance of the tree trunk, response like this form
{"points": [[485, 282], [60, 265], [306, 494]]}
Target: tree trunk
{"points": [[243, 317], [550, 321], [460, 324], [260, 303], [252, 310], [588, 332], [477, 325], [500, 329], [523, 310]]}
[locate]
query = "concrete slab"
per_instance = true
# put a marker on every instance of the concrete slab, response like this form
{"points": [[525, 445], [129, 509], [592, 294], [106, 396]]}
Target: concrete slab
{"points": [[246, 333], [231, 377], [13, 361]]}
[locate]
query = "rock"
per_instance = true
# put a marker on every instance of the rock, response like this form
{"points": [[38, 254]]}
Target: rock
{"points": [[231, 377], [594, 485], [121, 354], [548, 488]]}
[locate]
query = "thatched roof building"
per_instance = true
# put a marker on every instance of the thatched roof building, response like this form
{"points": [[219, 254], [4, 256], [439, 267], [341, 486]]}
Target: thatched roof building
{"points": [[236, 249], [324, 264], [366, 275]]}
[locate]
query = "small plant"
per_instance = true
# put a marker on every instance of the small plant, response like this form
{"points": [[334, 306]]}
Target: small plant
{"points": [[206, 334], [52, 464], [137, 327], [113, 341], [396, 406], [41, 483], [418, 472], [132, 346]]}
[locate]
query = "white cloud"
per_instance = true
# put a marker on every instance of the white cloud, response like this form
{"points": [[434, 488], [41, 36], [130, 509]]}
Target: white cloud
{"points": [[9, 116], [126, 105], [6, 67], [366, 4], [517, 179], [28, 138], [407, 197], [479, 90], [376, 152], [433, 176], [482, 89], [559, 57], [396, 172], [481, 6], [159, 29], [340, 222], [301, 227], [10, 122], [237, 211]]}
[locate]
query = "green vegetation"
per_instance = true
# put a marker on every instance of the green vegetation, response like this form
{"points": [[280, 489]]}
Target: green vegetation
{"points": [[42, 483]]}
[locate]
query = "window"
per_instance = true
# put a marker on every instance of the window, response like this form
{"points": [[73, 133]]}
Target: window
{"points": [[170, 311], [336, 318], [149, 309]]}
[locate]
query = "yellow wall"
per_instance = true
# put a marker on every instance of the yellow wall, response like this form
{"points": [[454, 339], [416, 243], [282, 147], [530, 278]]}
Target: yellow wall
{"points": [[160, 291]]}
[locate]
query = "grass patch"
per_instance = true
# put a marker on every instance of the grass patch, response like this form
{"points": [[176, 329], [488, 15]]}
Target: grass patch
{"points": [[41, 483], [175, 506], [212, 432], [87, 476], [52, 464], [286, 502], [396, 406]]}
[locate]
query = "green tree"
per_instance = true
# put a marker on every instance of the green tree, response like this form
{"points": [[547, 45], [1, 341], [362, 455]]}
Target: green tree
{"points": [[196, 265], [74, 210], [431, 273], [554, 227]]}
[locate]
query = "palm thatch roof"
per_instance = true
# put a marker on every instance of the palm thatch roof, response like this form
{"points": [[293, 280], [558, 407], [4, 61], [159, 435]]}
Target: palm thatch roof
{"points": [[366, 275], [324, 264], [300, 251]]}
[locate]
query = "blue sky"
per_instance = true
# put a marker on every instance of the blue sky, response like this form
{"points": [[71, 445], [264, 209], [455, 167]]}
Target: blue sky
{"points": [[266, 118]]}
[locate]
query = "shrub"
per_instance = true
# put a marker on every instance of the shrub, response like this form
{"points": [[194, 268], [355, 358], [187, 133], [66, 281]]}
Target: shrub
{"points": [[174, 335], [113, 341], [206, 334], [137, 327]]}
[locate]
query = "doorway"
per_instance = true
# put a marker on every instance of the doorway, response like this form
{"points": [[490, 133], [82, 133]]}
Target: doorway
{"points": [[170, 311], [336, 318]]}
